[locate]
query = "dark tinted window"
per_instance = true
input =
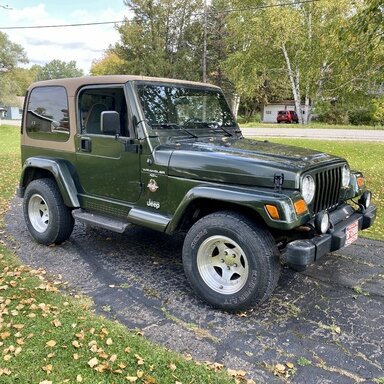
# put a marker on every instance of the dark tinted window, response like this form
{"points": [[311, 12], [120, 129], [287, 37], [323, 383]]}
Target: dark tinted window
{"points": [[47, 114], [93, 101]]}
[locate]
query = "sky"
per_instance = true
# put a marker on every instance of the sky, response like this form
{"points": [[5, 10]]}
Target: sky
{"points": [[82, 44]]}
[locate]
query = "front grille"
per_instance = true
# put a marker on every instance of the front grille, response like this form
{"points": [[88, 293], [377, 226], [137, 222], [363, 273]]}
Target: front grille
{"points": [[328, 185]]}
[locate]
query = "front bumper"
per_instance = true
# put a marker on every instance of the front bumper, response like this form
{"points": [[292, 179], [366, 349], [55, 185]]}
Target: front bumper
{"points": [[304, 252]]}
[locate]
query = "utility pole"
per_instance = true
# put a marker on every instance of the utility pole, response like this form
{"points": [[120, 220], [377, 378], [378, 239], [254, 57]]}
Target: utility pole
{"points": [[205, 44]]}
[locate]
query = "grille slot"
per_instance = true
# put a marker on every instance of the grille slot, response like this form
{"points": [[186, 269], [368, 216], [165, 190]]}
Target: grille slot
{"points": [[328, 185]]}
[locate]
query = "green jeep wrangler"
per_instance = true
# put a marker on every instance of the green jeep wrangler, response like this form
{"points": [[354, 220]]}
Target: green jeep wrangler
{"points": [[166, 154]]}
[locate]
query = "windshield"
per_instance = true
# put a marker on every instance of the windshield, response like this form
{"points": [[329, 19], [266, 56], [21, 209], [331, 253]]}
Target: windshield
{"points": [[173, 107]]}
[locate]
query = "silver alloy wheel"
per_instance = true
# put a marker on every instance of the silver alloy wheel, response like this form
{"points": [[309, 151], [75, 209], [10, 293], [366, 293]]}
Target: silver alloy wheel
{"points": [[38, 213], [222, 265]]}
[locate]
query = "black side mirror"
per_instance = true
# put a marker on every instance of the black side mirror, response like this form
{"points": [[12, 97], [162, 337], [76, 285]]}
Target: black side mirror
{"points": [[110, 123]]}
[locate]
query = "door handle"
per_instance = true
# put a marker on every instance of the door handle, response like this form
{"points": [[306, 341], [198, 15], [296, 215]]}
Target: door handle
{"points": [[85, 144]]}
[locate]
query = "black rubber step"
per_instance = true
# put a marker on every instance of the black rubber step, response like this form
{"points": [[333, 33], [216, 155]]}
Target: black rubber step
{"points": [[115, 225]]}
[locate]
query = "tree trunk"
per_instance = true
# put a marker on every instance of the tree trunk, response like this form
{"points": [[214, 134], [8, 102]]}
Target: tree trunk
{"points": [[294, 79], [308, 108]]}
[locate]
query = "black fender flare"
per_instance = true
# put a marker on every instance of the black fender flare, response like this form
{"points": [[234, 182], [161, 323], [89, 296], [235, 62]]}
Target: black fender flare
{"points": [[61, 173], [252, 200]]}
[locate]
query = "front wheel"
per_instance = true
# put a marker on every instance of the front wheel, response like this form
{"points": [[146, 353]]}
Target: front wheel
{"points": [[230, 261], [48, 219]]}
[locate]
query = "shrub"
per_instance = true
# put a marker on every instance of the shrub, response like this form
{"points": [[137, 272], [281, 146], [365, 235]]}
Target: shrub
{"points": [[378, 111], [333, 114], [255, 118]]}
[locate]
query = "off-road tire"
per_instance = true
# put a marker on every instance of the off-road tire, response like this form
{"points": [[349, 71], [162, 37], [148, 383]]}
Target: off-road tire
{"points": [[48, 219], [207, 249]]}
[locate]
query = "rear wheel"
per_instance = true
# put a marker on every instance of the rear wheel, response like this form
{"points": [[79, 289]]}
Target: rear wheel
{"points": [[48, 219], [231, 262]]}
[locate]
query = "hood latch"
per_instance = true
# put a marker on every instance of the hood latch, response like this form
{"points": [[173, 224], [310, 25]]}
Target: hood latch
{"points": [[278, 181]]}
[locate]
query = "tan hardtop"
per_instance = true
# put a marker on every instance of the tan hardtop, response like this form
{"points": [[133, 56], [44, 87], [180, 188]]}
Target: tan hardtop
{"points": [[73, 84]]}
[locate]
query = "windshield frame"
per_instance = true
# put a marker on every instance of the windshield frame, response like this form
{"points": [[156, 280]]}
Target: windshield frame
{"points": [[178, 129]]}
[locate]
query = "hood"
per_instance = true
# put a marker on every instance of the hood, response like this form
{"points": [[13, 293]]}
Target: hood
{"points": [[244, 161]]}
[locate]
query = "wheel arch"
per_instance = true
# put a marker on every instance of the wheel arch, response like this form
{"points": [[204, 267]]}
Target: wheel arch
{"points": [[57, 169], [201, 201]]}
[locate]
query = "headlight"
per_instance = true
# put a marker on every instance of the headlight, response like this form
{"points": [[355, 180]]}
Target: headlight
{"points": [[308, 188], [346, 175]]}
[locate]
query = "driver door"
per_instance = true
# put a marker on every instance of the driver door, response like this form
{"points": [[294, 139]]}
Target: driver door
{"points": [[108, 165]]}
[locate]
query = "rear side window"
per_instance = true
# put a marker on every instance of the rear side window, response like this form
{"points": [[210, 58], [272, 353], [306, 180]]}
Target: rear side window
{"points": [[47, 114]]}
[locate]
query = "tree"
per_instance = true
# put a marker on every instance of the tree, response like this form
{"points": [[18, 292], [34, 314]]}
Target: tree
{"points": [[57, 69], [23, 78], [369, 20], [217, 34], [307, 50], [11, 54], [164, 39], [109, 64]]}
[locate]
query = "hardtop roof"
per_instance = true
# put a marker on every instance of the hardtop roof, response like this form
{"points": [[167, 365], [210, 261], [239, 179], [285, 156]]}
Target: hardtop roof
{"points": [[73, 83]]}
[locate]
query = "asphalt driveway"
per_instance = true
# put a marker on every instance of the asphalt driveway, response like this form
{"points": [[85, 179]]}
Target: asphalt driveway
{"points": [[328, 322]]}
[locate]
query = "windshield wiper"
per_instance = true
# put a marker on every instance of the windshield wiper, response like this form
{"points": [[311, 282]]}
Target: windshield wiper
{"points": [[189, 132], [174, 126], [216, 126]]}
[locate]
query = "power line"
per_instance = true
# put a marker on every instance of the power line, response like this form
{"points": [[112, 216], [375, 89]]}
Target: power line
{"points": [[193, 14], [258, 7], [64, 25]]}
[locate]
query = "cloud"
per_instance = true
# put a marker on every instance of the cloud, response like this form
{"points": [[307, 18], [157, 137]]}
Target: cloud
{"points": [[65, 45], [82, 44], [27, 14]]}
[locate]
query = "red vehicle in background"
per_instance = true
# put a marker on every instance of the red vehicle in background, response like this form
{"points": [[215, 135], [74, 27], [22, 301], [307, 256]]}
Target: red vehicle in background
{"points": [[287, 117]]}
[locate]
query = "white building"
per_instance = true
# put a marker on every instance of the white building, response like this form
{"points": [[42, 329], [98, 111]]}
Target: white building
{"points": [[15, 111], [269, 111]]}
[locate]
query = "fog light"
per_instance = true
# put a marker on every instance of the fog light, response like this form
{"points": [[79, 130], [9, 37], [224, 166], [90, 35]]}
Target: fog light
{"points": [[322, 222], [365, 199]]}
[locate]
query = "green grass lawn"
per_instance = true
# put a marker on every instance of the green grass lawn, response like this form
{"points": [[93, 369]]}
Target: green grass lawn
{"points": [[312, 126], [10, 164]]}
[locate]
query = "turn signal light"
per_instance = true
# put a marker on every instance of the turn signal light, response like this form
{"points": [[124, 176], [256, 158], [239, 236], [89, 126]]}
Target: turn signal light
{"points": [[300, 207], [273, 211], [360, 182]]}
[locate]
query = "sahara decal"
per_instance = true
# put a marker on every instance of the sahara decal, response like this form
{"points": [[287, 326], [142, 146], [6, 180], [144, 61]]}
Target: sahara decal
{"points": [[153, 171]]}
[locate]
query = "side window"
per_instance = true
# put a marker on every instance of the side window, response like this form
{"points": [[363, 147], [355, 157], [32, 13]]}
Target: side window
{"points": [[47, 114], [93, 101]]}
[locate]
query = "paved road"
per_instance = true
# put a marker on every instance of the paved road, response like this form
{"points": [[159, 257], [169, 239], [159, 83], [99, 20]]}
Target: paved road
{"points": [[328, 321], [323, 134]]}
